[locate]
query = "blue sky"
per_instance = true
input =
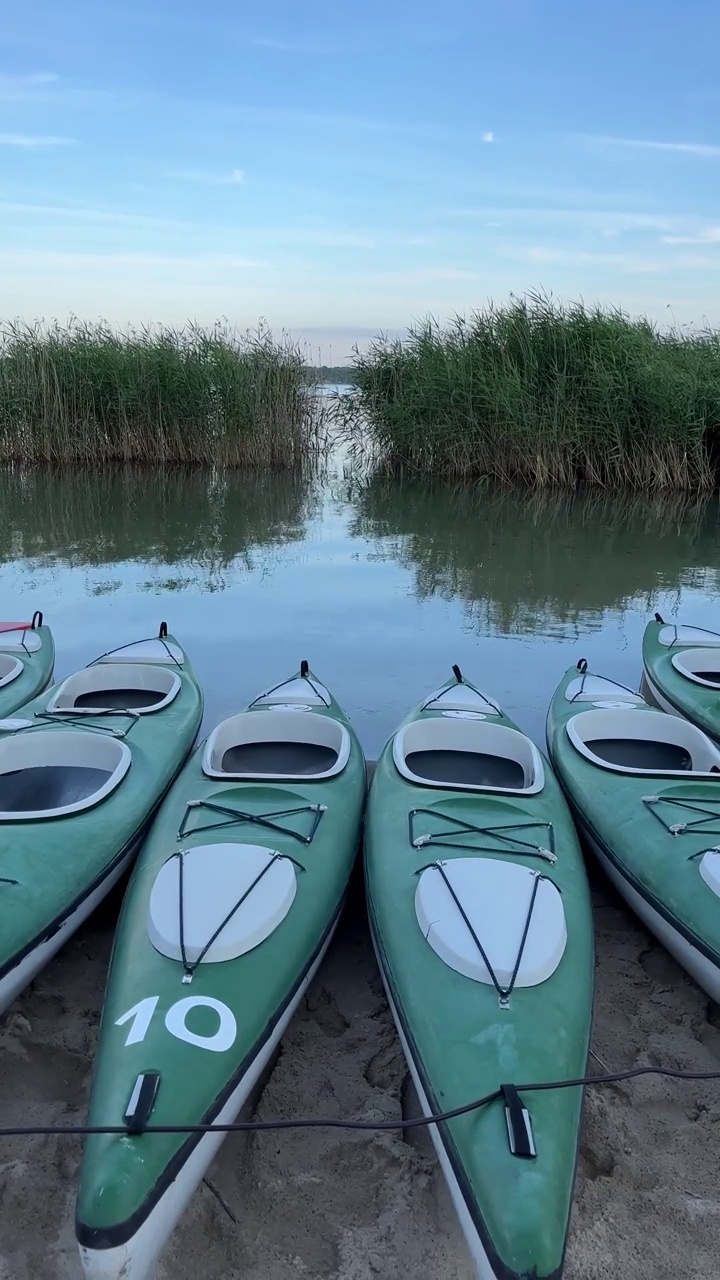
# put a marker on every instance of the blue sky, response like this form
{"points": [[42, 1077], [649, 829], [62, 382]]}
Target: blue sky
{"points": [[343, 169]]}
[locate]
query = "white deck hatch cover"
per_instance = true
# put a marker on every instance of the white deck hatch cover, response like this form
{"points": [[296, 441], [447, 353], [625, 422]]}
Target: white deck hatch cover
{"points": [[10, 669], [671, 635], [118, 686], [461, 697], [257, 882], [23, 638], [305, 691], [154, 650], [495, 895], [601, 692], [710, 869]]}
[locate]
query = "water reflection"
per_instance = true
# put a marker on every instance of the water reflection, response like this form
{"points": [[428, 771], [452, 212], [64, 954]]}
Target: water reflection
{"points": [[198, 523], [381, 586], [538, 562]]}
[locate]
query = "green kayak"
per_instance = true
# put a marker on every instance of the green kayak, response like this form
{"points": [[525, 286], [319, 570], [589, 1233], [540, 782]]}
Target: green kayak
{"points": [[645, 789], [481, 917], [228, 914], [27, 658], [82, 767], [681, 666]]}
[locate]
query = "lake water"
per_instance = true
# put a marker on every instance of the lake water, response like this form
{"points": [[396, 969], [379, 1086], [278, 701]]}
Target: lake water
{"points": [[381, 586]]}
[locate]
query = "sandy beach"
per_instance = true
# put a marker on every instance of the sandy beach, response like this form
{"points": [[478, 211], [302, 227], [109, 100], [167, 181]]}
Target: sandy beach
{"points": [[346, 1206]]}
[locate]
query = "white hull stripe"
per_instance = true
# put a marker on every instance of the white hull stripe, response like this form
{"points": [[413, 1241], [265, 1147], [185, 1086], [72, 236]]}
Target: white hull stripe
{"points": [[17, 978], [705, 971], [483, 1265]]}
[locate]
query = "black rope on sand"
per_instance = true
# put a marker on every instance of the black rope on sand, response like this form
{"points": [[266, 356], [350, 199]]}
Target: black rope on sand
{"points": [[369, 1126]]}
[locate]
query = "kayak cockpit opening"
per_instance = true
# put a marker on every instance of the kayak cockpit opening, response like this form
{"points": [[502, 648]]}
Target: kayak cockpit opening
{"points": [[672, 634], [624, 742], [214, 902], [700, 665], [278, 744], [50, 774], [471, 755], [117, 686], [10, 669]]}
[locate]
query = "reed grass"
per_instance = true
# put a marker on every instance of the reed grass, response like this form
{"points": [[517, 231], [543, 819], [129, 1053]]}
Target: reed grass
{"points": [[543, 393], [88, 394]]}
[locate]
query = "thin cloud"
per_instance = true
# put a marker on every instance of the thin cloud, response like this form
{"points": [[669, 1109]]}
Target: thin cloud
{"points": [[206, 178], [629, 264], [20, 88], [82, 213], [49, 258], [645, 144], [34, 140], [711, 235], [488, 136], [542, 255], [606, 222]]}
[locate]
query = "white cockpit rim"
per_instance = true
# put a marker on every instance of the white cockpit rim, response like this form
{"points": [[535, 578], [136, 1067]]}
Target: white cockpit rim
{"points": [[71, 769], [709, 868], [10, 669], [701, 666], [468, 755], [277, 745], [623, 741], [148, 687]]}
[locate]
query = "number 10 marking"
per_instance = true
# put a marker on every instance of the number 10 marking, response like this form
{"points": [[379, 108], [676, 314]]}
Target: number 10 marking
{"points": [[141, 1015]]}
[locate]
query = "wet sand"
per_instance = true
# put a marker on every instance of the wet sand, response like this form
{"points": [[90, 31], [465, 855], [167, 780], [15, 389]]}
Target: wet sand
{"points": [[345, 1206]]}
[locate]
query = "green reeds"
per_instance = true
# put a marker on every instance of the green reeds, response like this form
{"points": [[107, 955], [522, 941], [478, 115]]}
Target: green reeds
{"points": [[545, 394], [89, 394]]}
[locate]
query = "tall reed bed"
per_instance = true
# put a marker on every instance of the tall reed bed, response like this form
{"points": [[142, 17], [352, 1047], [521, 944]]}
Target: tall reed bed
{"points": [[86, 393], [542, 393]]}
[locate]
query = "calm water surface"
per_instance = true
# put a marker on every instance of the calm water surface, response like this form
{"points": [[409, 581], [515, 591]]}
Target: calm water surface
{"points": [[382, 586]]}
